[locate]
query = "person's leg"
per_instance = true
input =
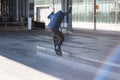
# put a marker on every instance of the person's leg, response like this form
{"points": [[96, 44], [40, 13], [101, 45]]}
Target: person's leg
{"points": [[59, 35]]}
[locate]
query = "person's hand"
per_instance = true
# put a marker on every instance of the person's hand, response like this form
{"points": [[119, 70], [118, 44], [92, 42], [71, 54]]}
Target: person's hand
{"points": [[52, 9], [70, 6]]}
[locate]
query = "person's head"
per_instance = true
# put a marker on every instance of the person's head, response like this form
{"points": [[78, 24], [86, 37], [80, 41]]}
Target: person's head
{"points": [[59, 12]]}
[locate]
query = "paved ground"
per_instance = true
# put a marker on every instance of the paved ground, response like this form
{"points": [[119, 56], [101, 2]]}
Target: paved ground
{"points": [[29, 55]]}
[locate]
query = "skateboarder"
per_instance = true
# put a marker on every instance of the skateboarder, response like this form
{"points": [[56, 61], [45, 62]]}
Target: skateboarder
{"points": [[54, 24]]}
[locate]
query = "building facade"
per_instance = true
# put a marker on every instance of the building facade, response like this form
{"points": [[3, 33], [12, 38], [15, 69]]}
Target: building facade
{"points": [[12, 11], [92, 14]]}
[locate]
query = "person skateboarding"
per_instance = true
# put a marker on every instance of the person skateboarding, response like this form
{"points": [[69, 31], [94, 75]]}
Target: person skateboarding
{"points": [[55, 22]]}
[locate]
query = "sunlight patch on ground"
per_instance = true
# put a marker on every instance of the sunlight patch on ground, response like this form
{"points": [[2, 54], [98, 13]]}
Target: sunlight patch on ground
{"points": [[114, 59], [12, 70]]}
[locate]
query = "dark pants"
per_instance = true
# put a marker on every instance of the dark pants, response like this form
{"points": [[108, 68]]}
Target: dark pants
{"points": [[59, 35]]}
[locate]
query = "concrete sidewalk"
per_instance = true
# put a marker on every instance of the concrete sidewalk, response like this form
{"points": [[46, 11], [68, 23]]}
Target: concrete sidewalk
{"points": [[93, 45], [82, 46]]}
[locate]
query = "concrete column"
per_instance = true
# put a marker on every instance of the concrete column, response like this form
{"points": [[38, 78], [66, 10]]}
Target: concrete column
{"points": [[64, 8], [28, 8], [29, 19], [70, 18], [94, 15], [64, 23], [17, 9], [67, 22], [30, 13]]}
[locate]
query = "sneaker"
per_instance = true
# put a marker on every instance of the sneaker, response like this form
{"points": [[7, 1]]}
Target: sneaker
{"points": [[59, 53], [57, 47], [58, 50]]}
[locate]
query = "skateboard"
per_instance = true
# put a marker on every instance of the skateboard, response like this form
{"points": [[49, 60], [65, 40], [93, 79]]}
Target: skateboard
{"points": [[58, 49]]}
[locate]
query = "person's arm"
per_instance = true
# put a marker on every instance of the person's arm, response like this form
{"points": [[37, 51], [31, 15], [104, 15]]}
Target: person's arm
{"points": [[49, 16], [69, 11]]}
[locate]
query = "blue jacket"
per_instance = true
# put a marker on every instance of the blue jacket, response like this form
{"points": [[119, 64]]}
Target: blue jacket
{"points": [[56, 19]]}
